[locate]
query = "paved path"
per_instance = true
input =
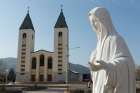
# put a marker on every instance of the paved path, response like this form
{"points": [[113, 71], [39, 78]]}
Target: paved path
{"points": [[51, 90]]}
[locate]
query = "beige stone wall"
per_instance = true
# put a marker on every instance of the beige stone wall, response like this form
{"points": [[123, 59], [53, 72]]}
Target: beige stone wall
{"points": [[43, 69], [64, 49], [26, 57]]}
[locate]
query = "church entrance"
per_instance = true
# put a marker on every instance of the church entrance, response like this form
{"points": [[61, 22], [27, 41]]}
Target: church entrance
{"points": [[41, 77], [32, 77], [49, 77]]}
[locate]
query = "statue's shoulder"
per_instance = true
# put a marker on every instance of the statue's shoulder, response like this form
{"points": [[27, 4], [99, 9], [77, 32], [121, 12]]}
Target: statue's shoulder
{"points": [[116, 38]]}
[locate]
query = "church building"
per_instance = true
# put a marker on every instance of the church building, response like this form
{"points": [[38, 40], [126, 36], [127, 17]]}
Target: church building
{"points": [[42, 65]]}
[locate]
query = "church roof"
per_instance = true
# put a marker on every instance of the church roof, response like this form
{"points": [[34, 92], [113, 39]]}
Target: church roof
{"points": [[61, 23], [27, 23], [42, 50]]}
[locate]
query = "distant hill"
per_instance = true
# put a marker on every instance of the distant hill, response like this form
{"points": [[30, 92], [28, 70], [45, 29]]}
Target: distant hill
{"points": [[7, 63], [79, 68]]}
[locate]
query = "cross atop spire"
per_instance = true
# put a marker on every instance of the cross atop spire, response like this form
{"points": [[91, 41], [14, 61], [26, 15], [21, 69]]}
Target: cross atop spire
{"points": [[28, 9], [61, 7]]}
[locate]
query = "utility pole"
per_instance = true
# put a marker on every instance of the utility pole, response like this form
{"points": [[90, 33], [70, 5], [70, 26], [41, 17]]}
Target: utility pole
{"points": [[68, 69]]}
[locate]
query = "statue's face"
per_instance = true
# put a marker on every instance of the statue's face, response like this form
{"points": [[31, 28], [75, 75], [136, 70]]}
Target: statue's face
{"points": [[94, 23]]}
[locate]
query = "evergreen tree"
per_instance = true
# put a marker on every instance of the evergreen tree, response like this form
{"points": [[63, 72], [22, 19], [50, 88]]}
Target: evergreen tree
{"points": [[11, 75]]}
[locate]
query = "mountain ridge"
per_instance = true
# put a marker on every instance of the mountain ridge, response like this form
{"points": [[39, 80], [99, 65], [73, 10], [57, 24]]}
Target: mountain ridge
{"points": [[10, 62]]}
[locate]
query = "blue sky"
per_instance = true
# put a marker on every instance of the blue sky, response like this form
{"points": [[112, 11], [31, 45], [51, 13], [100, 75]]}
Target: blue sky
{"points": [[44, 13]]}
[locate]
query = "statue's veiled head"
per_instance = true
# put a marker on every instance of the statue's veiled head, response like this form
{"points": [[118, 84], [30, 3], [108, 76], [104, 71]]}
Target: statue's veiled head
{"points": [[100, 20]]}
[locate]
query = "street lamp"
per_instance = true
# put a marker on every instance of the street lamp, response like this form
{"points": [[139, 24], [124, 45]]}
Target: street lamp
{"points": [[67, 71], [74, 48]]}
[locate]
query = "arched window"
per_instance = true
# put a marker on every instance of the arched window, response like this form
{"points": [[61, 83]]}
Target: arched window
{"points": [[41, 60], [33, 63], [24, 35], [49, 62], [60, 34]]}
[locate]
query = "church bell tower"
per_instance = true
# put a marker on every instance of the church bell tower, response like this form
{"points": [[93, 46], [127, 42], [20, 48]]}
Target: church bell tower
{"points": [[61, 46], [25, 47]]}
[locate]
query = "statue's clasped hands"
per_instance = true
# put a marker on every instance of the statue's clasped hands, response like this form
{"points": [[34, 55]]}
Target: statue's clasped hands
{"points": [[97, 65]]}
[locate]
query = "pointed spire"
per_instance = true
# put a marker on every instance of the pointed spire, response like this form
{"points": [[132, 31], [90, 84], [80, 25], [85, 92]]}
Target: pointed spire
{"points": [[27, 23], [61, 23]]}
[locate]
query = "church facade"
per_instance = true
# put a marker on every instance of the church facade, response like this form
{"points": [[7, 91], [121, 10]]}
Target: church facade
{"points": [[42, 65]]}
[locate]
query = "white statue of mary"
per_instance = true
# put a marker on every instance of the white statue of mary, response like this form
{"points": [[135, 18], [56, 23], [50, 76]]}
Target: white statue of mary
{"points": [[112, 66]]}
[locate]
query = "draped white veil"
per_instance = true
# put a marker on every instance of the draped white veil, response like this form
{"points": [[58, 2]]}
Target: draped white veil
{"points": [[101, 23]]}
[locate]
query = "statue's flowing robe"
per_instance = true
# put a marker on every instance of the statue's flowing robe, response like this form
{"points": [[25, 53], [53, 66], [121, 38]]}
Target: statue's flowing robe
{"points": [[117, 74]]}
